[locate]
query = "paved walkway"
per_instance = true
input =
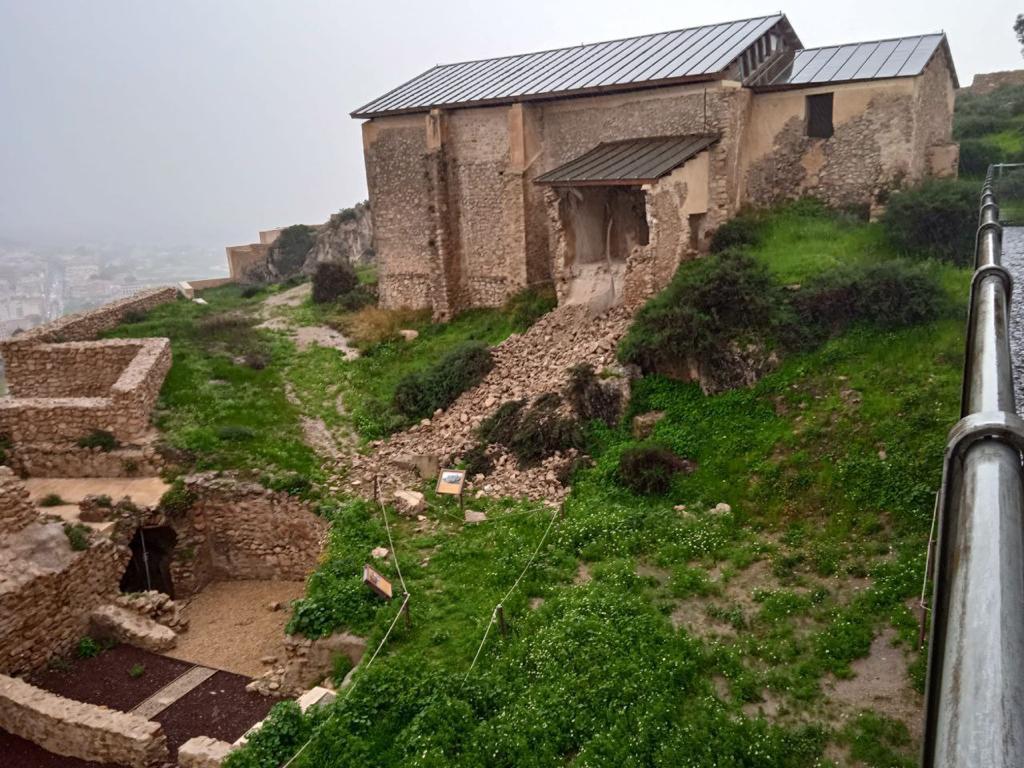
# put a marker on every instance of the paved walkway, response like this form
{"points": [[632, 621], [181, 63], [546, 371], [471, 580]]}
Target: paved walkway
{"points": [[1013, 260], [174, 690]]}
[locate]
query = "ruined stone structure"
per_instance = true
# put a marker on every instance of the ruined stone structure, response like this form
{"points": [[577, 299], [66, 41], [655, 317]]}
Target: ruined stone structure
{"points": [[990, 81], [600, 167]]}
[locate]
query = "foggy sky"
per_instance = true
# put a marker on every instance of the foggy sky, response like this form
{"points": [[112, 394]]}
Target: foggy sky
{"points": [[202, 121]]}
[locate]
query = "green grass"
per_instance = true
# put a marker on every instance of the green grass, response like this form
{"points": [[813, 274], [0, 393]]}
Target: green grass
{"points": [[223, 413]]}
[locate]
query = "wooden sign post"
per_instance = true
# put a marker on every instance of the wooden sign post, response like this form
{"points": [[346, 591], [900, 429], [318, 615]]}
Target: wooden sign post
{"points": [[376, 582], [451, 482]]}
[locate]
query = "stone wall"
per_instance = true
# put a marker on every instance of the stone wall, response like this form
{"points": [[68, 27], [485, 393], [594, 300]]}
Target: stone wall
{"points": [[123, 408], [47, 592], [885, 132], [240, 530], [16, 511], [79, 730], [69, 460], [990, 81]]}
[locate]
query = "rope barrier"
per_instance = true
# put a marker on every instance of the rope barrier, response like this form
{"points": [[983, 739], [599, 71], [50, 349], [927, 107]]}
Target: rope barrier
{"points": [[391, 543], [494, 611]]}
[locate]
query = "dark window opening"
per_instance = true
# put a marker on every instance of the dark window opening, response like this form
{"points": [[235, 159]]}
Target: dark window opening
{"points": [[819, 116], [150, 566]]}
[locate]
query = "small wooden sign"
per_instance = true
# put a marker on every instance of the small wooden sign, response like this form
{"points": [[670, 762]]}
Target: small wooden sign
{"points": [[450, 481], [376, 582]]}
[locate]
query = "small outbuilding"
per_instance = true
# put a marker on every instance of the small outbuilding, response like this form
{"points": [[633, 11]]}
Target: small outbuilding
{"points": [[600, 167]]}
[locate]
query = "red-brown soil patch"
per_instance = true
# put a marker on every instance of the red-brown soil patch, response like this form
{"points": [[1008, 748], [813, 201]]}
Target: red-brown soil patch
{"points": [[220, 707], [104, 679], [19, 753]]}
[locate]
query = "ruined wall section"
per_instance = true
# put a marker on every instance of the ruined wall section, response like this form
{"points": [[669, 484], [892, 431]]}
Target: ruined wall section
{"points": [[935, 152], [79, 730], [74, 369], [397, 174], [16, 510], [240, 530]]}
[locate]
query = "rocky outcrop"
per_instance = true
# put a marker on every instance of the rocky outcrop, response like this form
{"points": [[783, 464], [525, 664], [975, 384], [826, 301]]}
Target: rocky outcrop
{"points": [[346, 237]]}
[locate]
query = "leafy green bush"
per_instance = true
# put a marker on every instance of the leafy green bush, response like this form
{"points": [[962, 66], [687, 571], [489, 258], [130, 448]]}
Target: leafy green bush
{"points": [[891, 294], [420, 393], [235, 432], [88, 648], [975, 126], [359, 297], [250, 291], [709, 303], [332, 280], [177, 500], [649, 469], [291, 483], [529, 305], [288, 253], [99, 438], [531, 434], [976, 155], [136, 671], [51, 500], [78, 536], [591, 398], [937, 219], [341, 665], [741, 231], [284, 731]]}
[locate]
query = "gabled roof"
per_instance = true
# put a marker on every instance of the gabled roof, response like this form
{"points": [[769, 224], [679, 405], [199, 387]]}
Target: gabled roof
{"points": [[685, 55], [895, 57], [633, 161]]}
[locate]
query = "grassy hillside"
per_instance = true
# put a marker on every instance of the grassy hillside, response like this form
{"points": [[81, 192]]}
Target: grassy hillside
{"points": [[716, 625]]}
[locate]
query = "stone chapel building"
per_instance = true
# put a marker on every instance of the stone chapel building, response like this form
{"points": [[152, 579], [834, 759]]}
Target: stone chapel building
{"points": [[600, 167]]}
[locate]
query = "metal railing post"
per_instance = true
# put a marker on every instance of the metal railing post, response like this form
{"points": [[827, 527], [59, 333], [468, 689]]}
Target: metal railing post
{"points": [[975, 686]]}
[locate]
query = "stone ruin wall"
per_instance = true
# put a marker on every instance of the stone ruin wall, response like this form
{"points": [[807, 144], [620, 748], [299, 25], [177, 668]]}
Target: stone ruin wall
{"points": [[458, 219], [53, 413], [47, 591], [67, 460], [885, 133], [240, 530], [990, 81], [79, 730]]}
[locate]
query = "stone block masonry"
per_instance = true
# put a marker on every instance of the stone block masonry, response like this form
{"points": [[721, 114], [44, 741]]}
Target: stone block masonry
{"points": [[16, 510], [75, 729], [63, 392]]}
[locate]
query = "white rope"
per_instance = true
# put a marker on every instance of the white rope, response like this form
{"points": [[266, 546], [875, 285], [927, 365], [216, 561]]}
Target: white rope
{"points": [[380, 645], [391, 543], [494, 612]]}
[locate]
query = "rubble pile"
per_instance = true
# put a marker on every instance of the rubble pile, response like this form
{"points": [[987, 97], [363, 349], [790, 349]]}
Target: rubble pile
{"points": [[156, 606], [525, 366]]}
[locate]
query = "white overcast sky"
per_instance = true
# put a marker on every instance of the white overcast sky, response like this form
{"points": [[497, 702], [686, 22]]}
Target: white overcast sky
{"points": [[202, 121]]}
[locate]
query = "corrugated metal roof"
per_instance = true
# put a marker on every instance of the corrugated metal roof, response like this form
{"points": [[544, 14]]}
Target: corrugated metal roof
{"points": [[897, 57], [694, 53], [633, 161]]}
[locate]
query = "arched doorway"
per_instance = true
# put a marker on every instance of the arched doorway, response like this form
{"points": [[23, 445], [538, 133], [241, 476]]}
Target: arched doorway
{"points": [[152, 549]]}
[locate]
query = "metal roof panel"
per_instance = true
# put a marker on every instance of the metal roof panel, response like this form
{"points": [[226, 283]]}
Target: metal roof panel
{"points": [[631, 161]]}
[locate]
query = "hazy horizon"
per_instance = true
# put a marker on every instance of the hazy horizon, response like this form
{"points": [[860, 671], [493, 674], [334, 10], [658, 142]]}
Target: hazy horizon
{"points": [[200, 123]]}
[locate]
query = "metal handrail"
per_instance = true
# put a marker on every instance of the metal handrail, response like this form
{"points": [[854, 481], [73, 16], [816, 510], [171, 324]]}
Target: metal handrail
{"points": [[974, 709]]}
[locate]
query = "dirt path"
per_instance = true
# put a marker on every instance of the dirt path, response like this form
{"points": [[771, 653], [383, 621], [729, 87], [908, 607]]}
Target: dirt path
{"points": [[231, 625]]}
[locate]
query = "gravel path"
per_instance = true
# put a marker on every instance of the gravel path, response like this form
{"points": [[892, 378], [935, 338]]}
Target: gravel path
{"points": [[1013, 260]]}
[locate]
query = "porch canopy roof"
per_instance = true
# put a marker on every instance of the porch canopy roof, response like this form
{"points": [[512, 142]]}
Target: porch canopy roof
{"points": [[632, 161]]}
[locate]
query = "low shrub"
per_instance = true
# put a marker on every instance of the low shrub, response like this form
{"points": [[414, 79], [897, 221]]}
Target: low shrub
{"points": [[332, 280], [88, 648], [234, 432], [528, 306], [99, 438], [373, 325], [937, 219], [358, 298], [341, 665], [283, 732], [134, 316], [291, 483], [288, 253], [592, 398], [250, 291], [420, 393], [891, 294], [177, 500], [477, 461], [78, 536], [649, 469], [709, 304], [744, 230], [103, 500], [976, 126], [532, 434], [976, 155], [51, 500], [136, 671]]}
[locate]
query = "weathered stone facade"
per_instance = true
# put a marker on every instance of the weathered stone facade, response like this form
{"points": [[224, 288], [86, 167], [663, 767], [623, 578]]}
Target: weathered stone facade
{"points": [[888, 134], [460, 220], [990, 81], [16, 510], [79, 730], [69, 460], [63, 392]]}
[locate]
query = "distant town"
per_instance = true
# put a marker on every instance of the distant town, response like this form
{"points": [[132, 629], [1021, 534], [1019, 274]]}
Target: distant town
{"points": [[38, 284]]}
